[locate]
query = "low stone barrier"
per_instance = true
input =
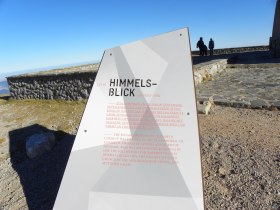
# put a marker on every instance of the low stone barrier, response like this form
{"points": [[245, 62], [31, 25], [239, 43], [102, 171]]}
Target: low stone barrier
{"points": [[206, 71], [236, 50], [66, 84], [257, 65], [75, 83]]}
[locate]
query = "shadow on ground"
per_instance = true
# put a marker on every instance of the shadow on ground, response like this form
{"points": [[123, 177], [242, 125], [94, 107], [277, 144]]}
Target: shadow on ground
{"points": [[41, 176], [4, 96], [256, 57]]}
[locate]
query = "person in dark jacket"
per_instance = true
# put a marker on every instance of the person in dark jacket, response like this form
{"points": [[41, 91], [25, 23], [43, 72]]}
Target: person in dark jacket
{"points": [[204, 50], [211, 46], [200, 45]]}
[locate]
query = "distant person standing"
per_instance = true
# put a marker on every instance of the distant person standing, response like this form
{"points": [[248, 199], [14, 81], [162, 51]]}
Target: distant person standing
{"points": [[211, 46], [200, 45]]}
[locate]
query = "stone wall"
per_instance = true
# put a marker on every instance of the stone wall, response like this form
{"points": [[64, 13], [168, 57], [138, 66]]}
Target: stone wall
{"points": [[71, 86], [75, 83], [236, 50], [207, 70]]}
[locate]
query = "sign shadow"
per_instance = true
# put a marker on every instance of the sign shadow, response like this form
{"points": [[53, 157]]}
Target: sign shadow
{"points": [[40, 177]]}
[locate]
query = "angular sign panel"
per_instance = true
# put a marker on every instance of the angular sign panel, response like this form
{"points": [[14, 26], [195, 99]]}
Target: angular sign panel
{"points": [[137, 147]]}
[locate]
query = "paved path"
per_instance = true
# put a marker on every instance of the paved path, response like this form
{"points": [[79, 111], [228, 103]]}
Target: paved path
{"points": [[244, 87]]}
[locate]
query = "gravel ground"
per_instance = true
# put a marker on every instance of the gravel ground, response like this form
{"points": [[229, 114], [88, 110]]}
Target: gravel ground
{"points": [[240, 156]]}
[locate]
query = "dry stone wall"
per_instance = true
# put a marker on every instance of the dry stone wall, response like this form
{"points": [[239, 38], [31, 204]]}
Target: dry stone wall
{"points": [[75, 83], [207, 70], [71, 86], [236, 50]]}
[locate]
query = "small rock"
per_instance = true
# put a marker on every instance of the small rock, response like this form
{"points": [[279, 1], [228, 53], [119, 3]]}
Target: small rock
{"points": [[222, 171], [252, 131], [38, 144], [216, 145]]}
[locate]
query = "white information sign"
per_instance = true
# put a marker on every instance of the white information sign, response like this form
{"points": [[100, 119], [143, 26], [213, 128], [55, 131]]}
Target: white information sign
{"points": [[137, 147]]}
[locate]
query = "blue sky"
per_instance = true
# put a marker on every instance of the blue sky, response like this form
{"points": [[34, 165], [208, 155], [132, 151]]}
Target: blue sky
{"points": [[42, 33]]}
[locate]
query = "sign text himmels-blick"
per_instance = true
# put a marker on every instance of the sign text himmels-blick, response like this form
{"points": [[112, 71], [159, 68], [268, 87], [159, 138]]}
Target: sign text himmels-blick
{"points": [[126, 87]]}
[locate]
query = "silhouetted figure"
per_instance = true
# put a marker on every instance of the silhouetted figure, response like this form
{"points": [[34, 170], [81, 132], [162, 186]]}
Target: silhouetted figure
{"points": [[204, 50], [200, 45], [211, 46]]}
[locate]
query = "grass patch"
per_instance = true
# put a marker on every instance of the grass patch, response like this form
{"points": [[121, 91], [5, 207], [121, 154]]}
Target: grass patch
{"points": [[2, 140], [45, 102], [208, 77], [53, 114], [2, 101]]}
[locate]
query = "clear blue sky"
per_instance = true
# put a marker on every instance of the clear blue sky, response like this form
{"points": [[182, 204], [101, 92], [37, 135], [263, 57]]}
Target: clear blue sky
{"points": [[41, 33]]}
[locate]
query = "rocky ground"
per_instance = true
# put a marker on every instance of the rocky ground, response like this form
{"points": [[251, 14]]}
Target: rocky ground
{"points": [[241, 158], [240, 155]]}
